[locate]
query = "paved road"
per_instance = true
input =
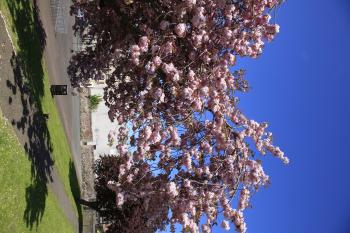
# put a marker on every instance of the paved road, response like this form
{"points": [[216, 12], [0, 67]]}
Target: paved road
{"points": [[57, 24], [59, 42]]}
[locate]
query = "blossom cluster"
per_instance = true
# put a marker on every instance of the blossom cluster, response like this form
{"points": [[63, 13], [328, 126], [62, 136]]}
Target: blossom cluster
{"points": [[172, 80]]}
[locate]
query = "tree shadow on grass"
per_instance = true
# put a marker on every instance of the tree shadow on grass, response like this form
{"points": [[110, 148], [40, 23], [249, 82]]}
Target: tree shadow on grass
{"points": [[38, 151], [31, 42], [28, 82], [33, 126]]}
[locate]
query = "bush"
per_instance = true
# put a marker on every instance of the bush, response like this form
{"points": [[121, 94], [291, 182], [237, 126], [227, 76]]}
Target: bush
{"points": [[94, 100]]}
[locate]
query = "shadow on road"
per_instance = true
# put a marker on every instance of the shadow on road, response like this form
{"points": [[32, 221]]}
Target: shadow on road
{"points": [[27, 89], [74, 185]]}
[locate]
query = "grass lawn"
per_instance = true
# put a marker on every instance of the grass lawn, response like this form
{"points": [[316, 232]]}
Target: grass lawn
{"points": [[15, 170], [27, 36]]}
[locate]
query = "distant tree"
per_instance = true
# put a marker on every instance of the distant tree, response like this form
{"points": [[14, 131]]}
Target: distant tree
{"points": [[169, 67]]}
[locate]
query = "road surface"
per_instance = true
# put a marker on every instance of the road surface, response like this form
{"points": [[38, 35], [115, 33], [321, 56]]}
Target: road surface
{"points": [[57, 24]]}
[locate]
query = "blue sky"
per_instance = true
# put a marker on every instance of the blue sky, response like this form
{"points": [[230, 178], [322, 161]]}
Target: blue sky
{"points": [[301, 86]]}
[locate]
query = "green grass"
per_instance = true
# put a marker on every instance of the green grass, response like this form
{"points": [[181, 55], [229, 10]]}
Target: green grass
{"points": [[26, 34], [15, 180]]}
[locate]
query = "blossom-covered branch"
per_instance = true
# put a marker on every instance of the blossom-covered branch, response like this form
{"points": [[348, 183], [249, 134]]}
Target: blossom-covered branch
{"points": [[167, 66]]}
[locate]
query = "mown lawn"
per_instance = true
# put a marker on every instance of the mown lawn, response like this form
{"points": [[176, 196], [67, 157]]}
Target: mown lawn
{"points": [[29, 42], [15, 178]]}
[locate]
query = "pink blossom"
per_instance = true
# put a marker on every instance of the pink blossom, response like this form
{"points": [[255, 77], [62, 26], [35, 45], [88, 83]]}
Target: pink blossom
{"points": [[143, 44], [119, 199], [157, 61], [190, 3], [206, 147], [168, 68], [225, 225], [175, 77], [120, 119], [204, 91], [197, 40], [172, 190], [122, 149], [129, 178], [147, 132], [164, 25], [188, 163], [135, 54], [199, 18], [159, 95], [206, 228], [155, 137], [244, 199], [155, 49], [191, 75], [187, 93], [221, 84], [180, 29], [136, 49], [168, 48], [174, 136], [122, 170], [231, 59], [150, 67], [197, 105], [187, 183]]}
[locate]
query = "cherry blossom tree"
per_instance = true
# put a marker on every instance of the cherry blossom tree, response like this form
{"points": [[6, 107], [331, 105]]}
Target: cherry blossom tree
{"points": [[169, 69], [137, 214]]}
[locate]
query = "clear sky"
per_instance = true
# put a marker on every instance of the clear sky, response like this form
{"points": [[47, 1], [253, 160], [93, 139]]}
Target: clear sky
{"points": [[301, 86]]}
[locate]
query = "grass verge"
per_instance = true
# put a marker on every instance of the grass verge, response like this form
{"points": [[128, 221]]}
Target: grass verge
{"points": [[29, 40], [15, 170]]}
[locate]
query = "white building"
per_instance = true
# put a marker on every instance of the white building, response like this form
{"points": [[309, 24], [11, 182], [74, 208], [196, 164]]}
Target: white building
{"points": [[102, 126]]}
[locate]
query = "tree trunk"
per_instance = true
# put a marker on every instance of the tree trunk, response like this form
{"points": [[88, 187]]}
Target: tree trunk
{"points": [[91, 204]]}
